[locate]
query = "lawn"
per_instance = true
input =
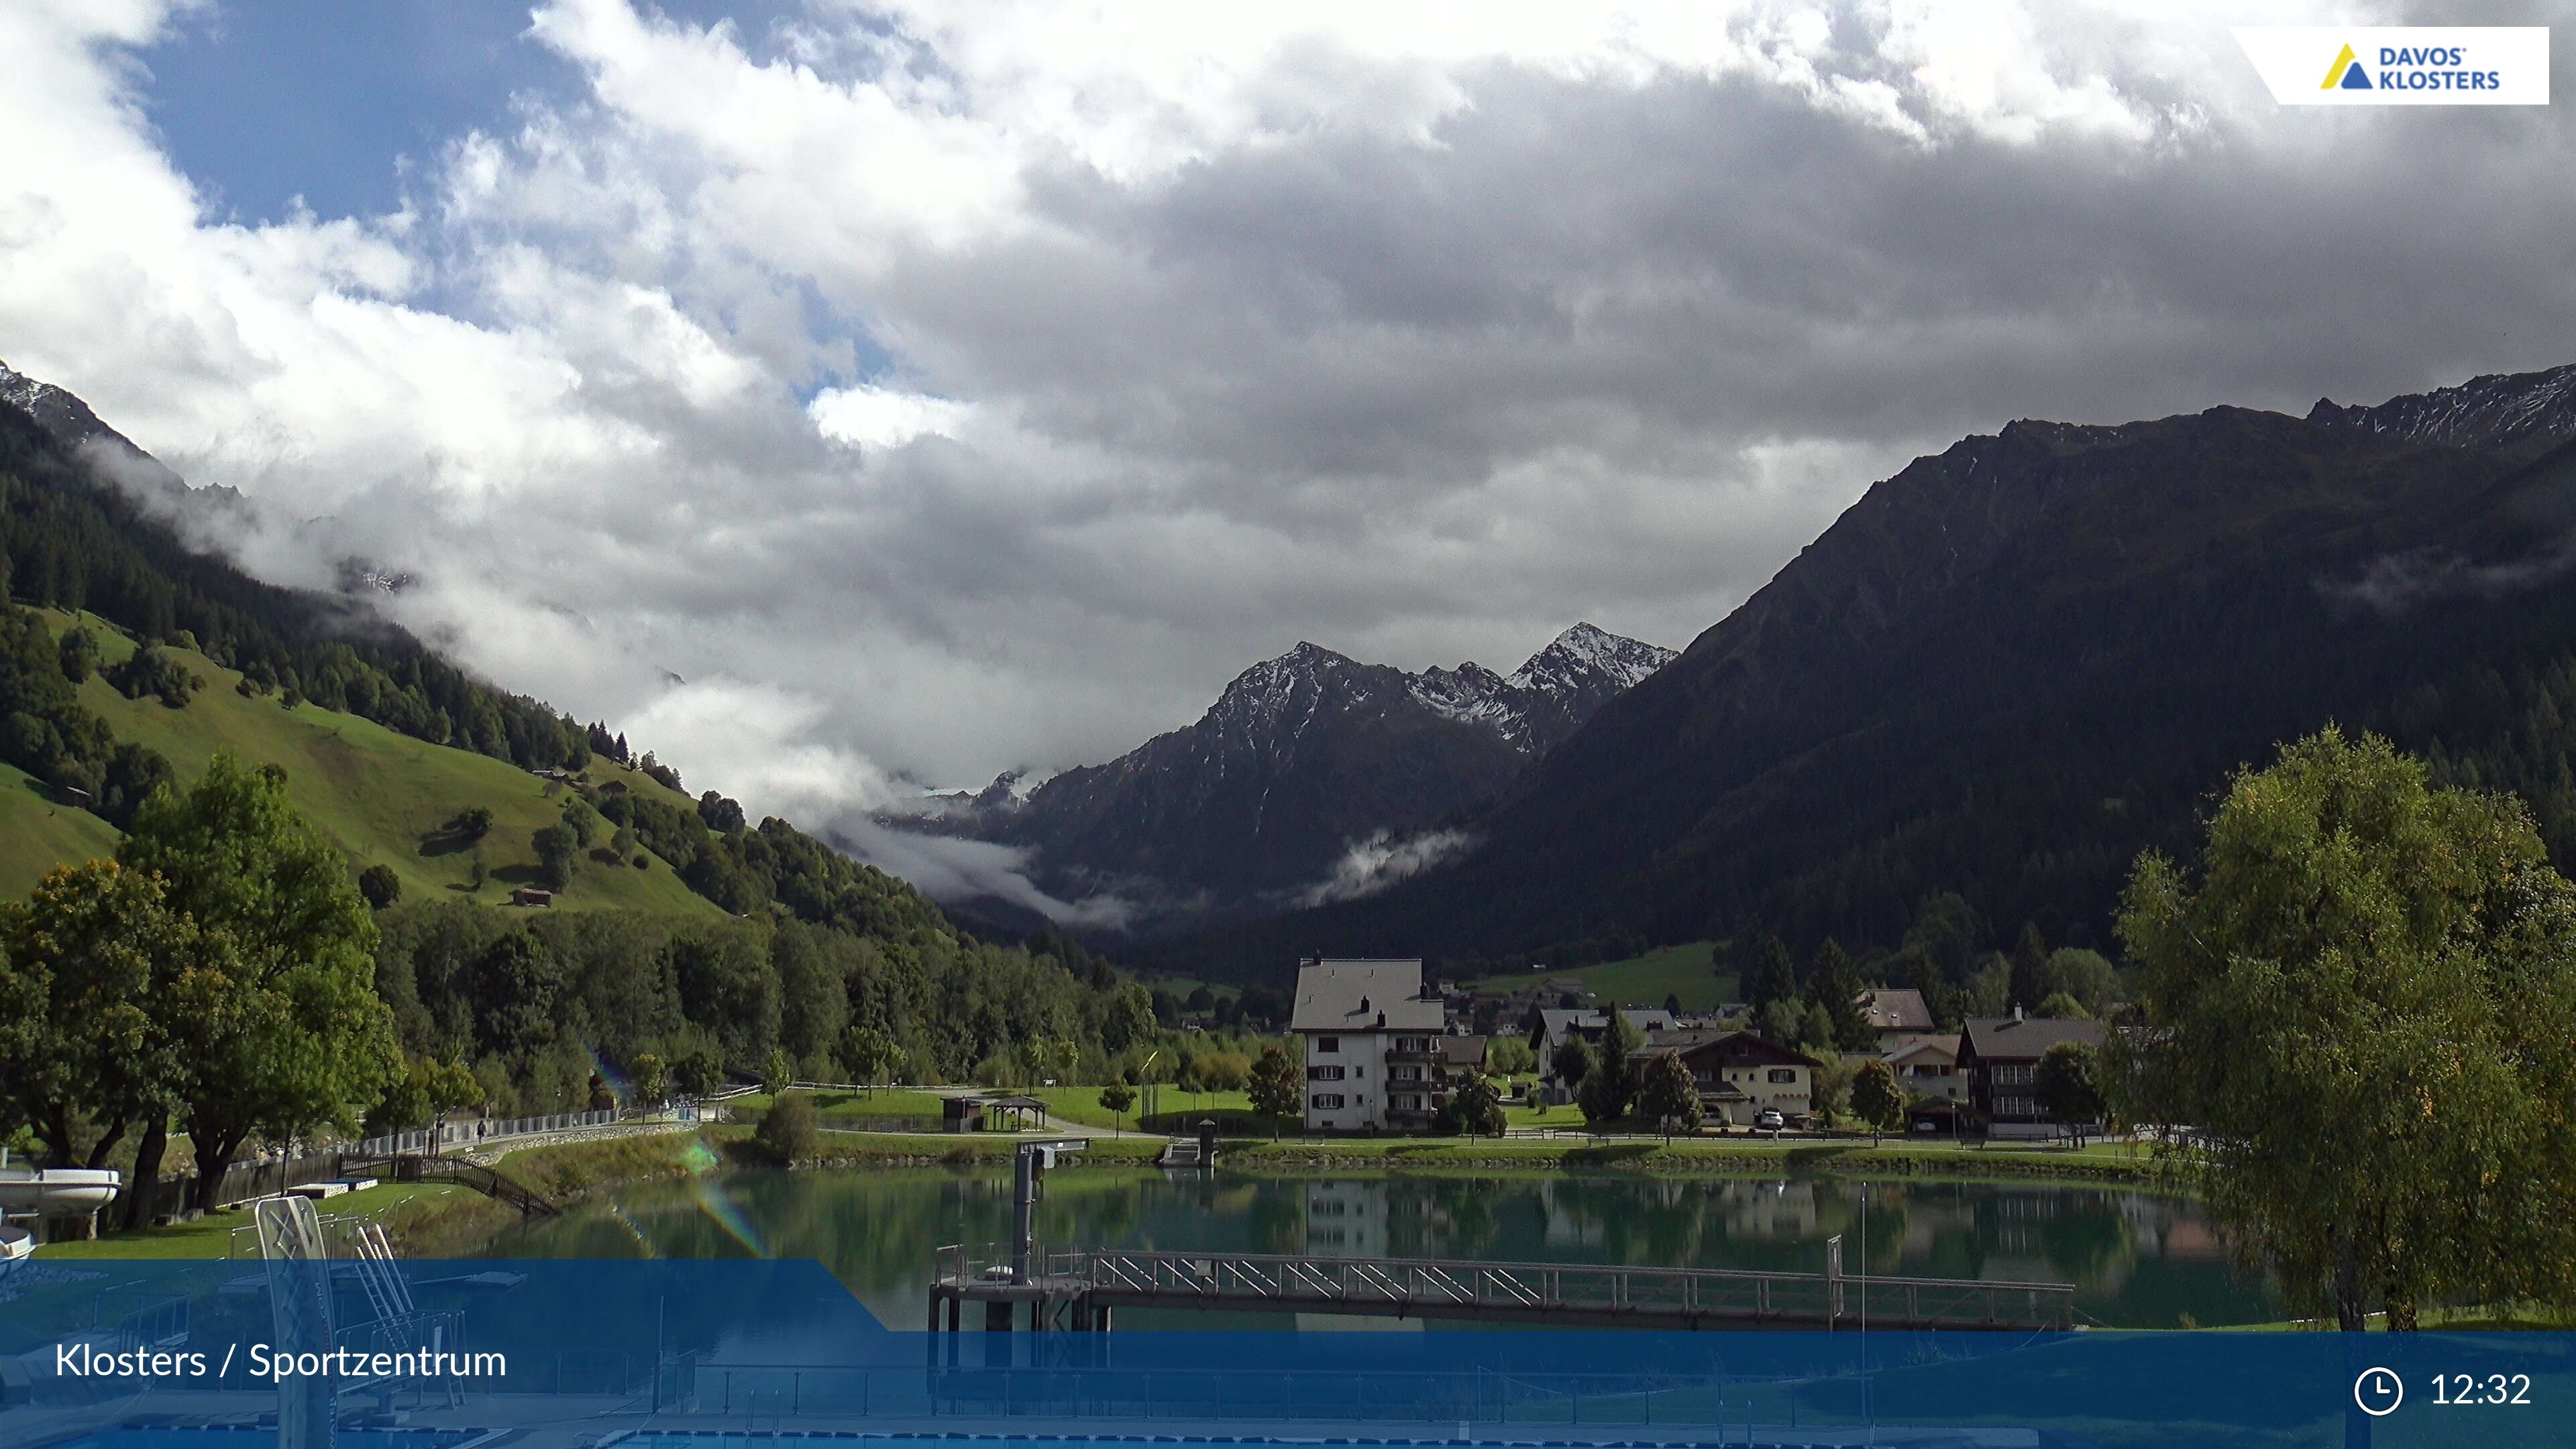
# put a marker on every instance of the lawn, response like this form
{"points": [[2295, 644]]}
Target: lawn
{"points": [[36, 834], [1176, 1110], [398, 1206], [1734, 1155], [1682, 971], [380, 796], [836, 1109]]}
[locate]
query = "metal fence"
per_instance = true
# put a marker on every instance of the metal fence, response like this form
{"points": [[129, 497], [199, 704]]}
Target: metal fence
{"points": [[476, 1133], [762, 1396]]}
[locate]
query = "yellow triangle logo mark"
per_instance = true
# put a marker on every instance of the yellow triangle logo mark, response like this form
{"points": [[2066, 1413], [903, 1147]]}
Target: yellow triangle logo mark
{"points": [[2334, 72]]}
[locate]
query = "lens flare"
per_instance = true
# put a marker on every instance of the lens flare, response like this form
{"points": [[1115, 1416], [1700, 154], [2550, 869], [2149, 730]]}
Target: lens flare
{"points": [[719, 1206]]}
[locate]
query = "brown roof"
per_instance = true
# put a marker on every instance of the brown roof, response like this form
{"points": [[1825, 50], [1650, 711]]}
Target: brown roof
{"points": [[1946, 1045], [1463, 1051], [1726, 1046], [1895, 1009], [2023, 1039]]}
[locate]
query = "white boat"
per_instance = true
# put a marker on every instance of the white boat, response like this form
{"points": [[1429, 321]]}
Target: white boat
{"points": [[58, 1190], [16, 1243]]}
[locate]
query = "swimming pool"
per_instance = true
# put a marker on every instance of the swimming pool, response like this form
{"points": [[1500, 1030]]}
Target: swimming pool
{"points": [[246, 1436]]}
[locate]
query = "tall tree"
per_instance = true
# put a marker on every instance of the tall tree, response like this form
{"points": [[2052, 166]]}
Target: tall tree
{"points": [[2031, 980], [283, 1032], [2068, 1083], [96, 947], [1775, 979], [2363, 998], [1833, 985]]}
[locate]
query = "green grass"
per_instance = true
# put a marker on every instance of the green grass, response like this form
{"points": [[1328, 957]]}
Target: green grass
{"points": [[36, 834], [836, 1109], [1176, 1110], [400, 1206], [1681, 971], [1723, 1157], [1568, 1115], [380, 796]]}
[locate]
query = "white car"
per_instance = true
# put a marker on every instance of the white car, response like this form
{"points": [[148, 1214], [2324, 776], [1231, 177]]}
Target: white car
{"points": [[1770, 1120]]}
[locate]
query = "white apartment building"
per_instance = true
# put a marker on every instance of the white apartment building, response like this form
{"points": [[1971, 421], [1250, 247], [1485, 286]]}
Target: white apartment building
{"points": [[1363, 1019]]}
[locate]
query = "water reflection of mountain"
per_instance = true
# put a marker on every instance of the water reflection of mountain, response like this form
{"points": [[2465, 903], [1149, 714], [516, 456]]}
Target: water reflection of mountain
{"points": [[2135, 1258]]}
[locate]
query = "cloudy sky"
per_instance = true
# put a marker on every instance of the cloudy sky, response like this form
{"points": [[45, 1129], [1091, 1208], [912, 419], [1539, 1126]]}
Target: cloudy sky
{"points": [[942, 388]]}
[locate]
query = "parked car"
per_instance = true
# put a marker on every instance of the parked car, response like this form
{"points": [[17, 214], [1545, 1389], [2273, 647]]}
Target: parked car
{"points": [[1770, 1120]]}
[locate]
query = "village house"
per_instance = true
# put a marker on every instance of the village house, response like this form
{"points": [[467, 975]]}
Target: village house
{"points": [[1556, 1026], [1361, 1020], [1927, 1068], [1416, 1091], [1739, 1074], [1894, 1013], [1999, 1056]]}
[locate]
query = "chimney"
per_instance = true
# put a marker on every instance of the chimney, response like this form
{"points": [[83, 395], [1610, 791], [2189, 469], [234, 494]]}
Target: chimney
{"points": [[2016, 1011]]}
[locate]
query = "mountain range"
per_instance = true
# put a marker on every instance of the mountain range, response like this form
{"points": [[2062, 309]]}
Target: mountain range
{"points": [[2014, 665], [1313, 777]]}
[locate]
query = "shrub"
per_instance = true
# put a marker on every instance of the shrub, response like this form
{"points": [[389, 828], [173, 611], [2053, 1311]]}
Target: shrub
{"points": [[380, 886], [787, 1133]]}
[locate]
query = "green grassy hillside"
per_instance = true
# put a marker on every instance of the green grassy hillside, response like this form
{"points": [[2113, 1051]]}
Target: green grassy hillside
{"points": [[380, 796], [1682, 971], [36, 834]]}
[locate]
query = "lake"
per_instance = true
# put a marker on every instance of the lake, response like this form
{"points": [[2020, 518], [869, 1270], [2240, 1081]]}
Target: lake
{"points": [[2137, 1259]]}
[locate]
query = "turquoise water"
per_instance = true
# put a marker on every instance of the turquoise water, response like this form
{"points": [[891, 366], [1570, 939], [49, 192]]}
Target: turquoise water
{"points": [[2137, 1259]]}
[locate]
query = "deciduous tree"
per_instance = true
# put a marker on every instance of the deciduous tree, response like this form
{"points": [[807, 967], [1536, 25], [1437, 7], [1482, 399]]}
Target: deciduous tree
{"points": [[1277, 1088], [1666, 1094], [2362, 996], [283, 1032], [1876, 1098]]}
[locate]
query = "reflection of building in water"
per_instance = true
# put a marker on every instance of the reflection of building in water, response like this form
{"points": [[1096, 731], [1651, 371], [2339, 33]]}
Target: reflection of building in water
{"points": [[2015, 1227], [1349, 1220], [1934, 1221], [1572, 1222], [1346, 1219], [1773, 1211], [2174, 1228]]}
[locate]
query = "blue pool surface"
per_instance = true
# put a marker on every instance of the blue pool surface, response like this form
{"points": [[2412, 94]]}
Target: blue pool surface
{"points": [[259, 1438]]}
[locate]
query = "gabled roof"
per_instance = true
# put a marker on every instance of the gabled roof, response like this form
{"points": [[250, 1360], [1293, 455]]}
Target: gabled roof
{"points": [[1726, 1046], [1368, 994], [2010, 1039], [1463, 1051], [1557, 1021], [1895, 1009], [1932, 1042]]}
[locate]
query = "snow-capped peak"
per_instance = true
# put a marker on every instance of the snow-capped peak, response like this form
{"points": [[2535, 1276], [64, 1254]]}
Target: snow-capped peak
{"points": [[1549, 695]]}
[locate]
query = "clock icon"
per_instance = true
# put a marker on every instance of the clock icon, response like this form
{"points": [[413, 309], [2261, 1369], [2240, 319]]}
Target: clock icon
{"points": [[2378, 1391]]}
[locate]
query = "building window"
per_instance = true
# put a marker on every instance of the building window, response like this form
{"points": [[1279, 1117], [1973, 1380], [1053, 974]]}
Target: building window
{"points": [[1326, 1101], [2012, 1076], [1324, 1074], [1328, 1043], [1784, 1074]]}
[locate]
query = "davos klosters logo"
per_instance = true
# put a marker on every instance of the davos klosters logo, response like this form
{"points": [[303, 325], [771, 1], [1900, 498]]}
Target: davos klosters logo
{"points": [[2411, 66]]}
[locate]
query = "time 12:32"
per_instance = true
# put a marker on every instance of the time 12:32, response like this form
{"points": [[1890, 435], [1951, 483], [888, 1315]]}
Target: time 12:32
{"points": [[2491, 1389]]}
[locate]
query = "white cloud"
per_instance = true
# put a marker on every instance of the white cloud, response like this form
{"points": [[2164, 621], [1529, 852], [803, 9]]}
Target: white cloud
{"points": [[882, 417], [1171, 334]]}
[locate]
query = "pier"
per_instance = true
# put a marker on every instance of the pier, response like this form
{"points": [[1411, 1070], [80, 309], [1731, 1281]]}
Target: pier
{"points": [[1081, 1289]]}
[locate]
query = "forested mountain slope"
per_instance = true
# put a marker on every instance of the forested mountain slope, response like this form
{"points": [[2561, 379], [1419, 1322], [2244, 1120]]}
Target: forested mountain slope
{"points": [[127, 660], [2012, 666]]}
